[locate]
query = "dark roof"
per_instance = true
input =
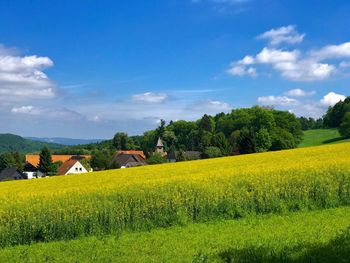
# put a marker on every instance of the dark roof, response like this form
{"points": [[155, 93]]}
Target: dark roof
{"points": [[28, 167], [129, 159], [11, 173]]}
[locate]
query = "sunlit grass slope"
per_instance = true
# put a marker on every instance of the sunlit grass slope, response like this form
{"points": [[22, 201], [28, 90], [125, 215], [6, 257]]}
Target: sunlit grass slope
{"points": [[319, 236], [321, 136], [142, 198]]}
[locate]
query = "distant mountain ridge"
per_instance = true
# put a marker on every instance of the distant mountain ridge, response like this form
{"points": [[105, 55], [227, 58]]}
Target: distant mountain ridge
{"points": [[10, 142], [64, 141]]}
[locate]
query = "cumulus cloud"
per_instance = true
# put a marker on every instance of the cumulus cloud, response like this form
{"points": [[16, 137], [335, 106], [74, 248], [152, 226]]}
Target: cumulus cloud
{"points": [[239, 70], [299, 93], [285, 34], [332, 98], [295, 65], [149, 97], [277, 100], [22, 77]]}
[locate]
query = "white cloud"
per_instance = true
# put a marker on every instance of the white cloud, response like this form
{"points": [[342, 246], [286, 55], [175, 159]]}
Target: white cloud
{"points": [[61, 114], [149, 97], [299, 93], [332, 98], [286, 34], [239, 70], [332, 51], [277, 100], [22, 77], [26, 110], [216, 105], [310, 65]]}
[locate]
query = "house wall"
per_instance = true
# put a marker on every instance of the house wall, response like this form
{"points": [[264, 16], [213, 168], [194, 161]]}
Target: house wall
{"points": [[77, 168], [33, 175]]}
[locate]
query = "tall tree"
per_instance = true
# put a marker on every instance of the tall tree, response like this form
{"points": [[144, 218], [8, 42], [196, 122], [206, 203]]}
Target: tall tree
{"points": [[45, 162], [121, 141], [207, 123]]}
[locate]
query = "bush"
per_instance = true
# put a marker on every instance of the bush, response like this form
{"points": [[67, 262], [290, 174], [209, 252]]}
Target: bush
{"points": [[212, 152], [156, 158]]}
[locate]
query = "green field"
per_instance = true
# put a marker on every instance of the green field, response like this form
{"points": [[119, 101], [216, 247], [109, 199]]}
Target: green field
{"points": [[321, 136], [319, 236]]}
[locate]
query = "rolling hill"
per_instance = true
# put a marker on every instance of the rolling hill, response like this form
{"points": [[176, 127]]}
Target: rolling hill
{"points": [[11, 142], [321, 136]]}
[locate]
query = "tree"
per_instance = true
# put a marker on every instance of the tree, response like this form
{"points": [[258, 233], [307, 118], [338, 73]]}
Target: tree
{"points": [[335, 114], [282, 139], [234, 142], [263, 140], [101, 160], [344, 128], [121, 141], [156, 158], [54, 167], [247, 142], [207, 123], [212, 152], [219, 140], [161, 129], [45, 161]]}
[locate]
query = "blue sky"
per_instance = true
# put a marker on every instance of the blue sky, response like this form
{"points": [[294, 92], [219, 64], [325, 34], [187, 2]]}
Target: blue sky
{"points": [[86, 69]]}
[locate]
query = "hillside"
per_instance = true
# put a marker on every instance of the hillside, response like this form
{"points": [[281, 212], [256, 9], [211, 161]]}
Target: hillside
{"points": [[168, 199], [65, 141], [321, 136], [11, 142]]}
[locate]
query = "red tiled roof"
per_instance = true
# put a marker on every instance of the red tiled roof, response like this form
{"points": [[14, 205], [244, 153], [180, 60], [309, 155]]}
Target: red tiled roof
{"points": [[34, 159], [64, 168], [141, 153]]}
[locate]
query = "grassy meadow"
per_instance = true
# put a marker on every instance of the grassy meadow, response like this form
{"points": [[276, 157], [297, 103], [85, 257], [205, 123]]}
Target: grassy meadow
{"points": [[321, 136], [230, 192]]}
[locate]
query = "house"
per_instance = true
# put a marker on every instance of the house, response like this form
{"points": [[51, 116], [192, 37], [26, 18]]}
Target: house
{"points": [[11, 174], [160, 148], [141, 153], [31, 171], [35, 158], [71, 166], [129, 160]]}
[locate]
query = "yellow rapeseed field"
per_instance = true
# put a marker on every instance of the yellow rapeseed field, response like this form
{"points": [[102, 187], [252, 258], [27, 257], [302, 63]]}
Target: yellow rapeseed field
{"points": [[65, 207]]}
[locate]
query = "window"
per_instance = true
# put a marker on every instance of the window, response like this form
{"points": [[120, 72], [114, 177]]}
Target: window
{"points": [[80, 169], [76, 168]]}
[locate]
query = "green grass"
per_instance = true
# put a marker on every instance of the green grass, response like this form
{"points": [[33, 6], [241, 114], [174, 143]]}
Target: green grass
{"points": [[321, 136], [318, 236]]}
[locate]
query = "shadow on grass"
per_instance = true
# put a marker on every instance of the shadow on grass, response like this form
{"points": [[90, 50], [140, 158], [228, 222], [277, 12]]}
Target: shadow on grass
{"points": [[334, 140], [337, 250]]}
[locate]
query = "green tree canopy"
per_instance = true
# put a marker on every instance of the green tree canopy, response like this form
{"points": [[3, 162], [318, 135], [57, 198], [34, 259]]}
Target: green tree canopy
{"points": [[45, 162], [344, 128]]}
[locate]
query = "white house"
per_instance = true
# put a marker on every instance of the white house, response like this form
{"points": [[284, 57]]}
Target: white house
{"points": [[71, 167]]}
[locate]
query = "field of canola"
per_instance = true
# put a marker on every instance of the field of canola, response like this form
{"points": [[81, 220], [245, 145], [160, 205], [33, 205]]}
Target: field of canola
{"points": [[113, 202]]}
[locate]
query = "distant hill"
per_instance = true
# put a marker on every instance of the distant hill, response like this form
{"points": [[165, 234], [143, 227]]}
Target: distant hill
{"points": [[321, 136], [11, 142], [65, 141]]}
